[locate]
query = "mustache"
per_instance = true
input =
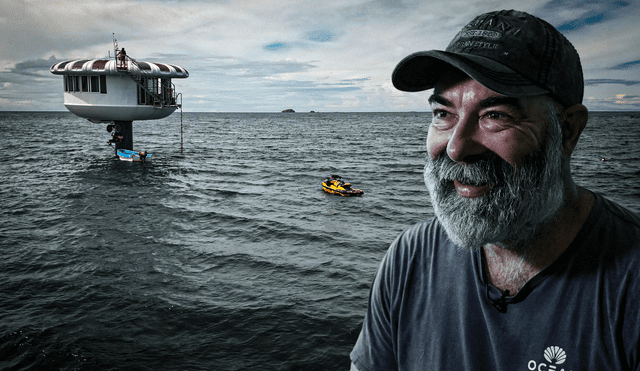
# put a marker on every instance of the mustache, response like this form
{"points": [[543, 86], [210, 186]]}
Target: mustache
{"points": [[487, 169]]}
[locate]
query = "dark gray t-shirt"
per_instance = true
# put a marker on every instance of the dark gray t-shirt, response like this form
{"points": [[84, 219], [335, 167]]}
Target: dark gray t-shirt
{"points": [[429, 307]]}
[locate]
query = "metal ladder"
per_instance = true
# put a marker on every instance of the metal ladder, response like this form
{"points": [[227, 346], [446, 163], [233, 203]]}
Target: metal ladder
{"points": [[137, 77]]}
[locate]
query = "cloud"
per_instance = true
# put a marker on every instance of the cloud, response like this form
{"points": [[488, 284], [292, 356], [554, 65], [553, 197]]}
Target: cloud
{"points": [[255, 55], [29, 72], [627, 65], [634, 97], [321, 35], [230, 66], [29, 85], [312, 86], [35, 67], [579, 23], [591, 82], [573, 15]]}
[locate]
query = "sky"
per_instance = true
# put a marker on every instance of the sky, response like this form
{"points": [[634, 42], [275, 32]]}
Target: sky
{"points": [[267, 56]]}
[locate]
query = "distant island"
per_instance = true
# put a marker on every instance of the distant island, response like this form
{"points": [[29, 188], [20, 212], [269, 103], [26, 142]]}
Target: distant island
{"points": [[289, 110]]}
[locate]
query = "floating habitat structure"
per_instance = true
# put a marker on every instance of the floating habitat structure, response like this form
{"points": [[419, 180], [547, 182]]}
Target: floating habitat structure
{"points": [[119, 91], [335, 185]]}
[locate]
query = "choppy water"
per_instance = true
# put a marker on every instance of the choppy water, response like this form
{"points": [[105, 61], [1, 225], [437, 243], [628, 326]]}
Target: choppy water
{"points": [[227, 256]]}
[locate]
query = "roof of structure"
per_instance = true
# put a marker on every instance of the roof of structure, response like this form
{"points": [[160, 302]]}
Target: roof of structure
{"points": [[109, 67]]}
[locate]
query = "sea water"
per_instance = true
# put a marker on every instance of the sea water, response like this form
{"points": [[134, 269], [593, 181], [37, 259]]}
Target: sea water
{"points": [[223, 252]]}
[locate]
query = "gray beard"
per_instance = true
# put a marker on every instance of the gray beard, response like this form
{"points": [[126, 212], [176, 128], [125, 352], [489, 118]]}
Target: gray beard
{"points": [[517, 205]]}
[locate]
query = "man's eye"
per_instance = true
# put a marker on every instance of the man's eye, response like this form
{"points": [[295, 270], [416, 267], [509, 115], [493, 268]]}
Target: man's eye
{"points": [[440, 114], [494, 115]]}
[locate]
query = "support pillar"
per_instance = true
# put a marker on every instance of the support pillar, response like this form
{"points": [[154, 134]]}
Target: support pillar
{"points": [[126, 131]]}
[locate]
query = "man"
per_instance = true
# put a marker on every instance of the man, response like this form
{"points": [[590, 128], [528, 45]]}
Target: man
{"points": [[521, 269]]}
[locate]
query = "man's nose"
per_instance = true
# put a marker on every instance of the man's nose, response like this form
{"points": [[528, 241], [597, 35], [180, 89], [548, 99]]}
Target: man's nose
{"points": [[465, 141]]}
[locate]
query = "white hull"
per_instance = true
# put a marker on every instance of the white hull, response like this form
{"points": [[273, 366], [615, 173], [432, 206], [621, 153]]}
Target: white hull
{"points": [[118, 113]]}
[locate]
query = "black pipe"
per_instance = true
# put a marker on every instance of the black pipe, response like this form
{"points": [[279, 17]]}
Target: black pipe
{"points": [[126, 132]]}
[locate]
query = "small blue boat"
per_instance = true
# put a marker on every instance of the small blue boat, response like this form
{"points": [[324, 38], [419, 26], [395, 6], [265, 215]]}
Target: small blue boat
{"points": [[133, 156]]}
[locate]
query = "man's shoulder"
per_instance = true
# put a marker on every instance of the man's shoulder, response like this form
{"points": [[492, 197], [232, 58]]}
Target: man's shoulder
{"points": [[613, 234], [620, 214], [426, 232], [423, 256], [614, 225], [427, 226], [421, 241]]}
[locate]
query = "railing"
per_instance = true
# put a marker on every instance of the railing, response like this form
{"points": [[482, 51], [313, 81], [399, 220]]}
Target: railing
{"points": [[167, 97]]}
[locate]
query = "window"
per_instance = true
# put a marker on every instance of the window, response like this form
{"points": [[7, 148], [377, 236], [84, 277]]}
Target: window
{"points": [[103, 84], [142, 95], [153, 85], [85, 83], [95, 84], [76, 83], [164, 86], [69, 84], [65, 80]]}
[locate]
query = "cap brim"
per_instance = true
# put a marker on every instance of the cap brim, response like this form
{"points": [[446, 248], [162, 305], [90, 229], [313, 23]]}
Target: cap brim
{"points": [[422, 70]]}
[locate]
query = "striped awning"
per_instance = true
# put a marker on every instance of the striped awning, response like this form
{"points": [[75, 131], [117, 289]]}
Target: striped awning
{"points": [[108, 67]]}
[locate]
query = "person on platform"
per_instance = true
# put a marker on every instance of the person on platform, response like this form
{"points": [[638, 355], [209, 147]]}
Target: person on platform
{"points": [[521, 269], [122, 57]]}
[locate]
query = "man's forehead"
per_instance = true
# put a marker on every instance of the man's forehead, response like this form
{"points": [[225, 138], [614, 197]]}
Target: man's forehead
{"points": [[490, 101], [453, 77]]}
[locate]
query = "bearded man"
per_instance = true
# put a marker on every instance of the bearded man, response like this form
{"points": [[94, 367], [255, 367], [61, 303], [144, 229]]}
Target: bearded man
{"points": [[521, 269]]}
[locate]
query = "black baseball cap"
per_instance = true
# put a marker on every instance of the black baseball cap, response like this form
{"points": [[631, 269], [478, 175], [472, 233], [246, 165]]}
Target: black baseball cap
{"points": [[508, 51]]}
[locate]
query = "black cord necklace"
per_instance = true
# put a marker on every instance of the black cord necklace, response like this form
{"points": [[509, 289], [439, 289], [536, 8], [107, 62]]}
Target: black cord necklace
{"points": [[501, 303]]}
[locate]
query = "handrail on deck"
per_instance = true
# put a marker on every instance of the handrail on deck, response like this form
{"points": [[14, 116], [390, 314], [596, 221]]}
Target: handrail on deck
{"points": [[122, 60]]}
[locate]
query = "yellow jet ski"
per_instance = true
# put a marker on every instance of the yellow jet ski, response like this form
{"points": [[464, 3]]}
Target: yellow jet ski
{"points": [[335, 185]]}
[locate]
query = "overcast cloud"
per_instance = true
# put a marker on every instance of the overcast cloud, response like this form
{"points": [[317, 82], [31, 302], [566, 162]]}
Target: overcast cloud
{"points": [[265, 56]]}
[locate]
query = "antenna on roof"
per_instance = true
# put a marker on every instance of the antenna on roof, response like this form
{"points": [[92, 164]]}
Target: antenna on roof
{"points": [[115, 45]]}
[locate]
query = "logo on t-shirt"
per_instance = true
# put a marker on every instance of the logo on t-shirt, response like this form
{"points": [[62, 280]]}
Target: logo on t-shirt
{"points": [[554, 355]]}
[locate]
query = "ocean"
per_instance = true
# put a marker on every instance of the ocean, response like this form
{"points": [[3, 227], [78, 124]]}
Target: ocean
{"points": [[225, 254]]}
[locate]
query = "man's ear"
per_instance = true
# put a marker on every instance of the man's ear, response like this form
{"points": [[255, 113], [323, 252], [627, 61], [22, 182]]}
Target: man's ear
{"points": [[574, 120]]}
